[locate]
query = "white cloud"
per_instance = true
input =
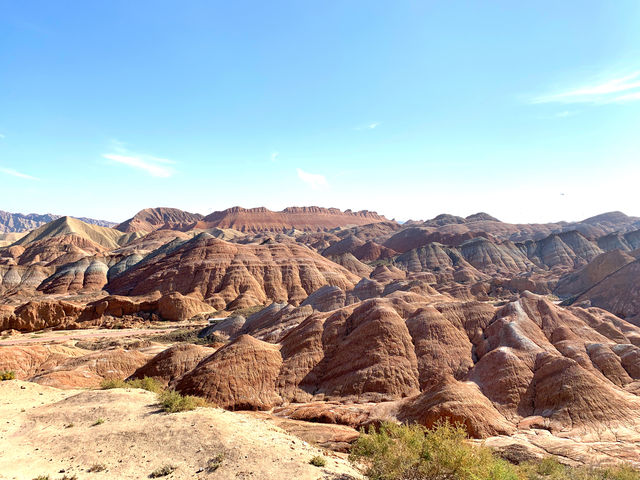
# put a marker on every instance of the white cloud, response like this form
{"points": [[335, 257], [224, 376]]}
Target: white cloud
{"points": [[616, 90], [154, 166], [314, 180], [147, 165], [274, 156], [369, 126], [15, 173]]}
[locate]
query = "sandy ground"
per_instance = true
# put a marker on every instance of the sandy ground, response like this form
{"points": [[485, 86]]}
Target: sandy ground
{"points": [[46, 431]]}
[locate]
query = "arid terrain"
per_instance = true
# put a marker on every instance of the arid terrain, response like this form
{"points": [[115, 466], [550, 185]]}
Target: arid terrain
{"points": [[302, 326]]}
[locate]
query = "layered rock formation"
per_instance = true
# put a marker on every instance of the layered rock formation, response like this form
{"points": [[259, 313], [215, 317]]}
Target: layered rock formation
{"points": [[528, 363], [312, 219], [231, 275]]}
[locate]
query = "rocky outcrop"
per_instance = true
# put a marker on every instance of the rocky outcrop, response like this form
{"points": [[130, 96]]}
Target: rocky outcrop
{"points": [[36, 315], [40, 314]]}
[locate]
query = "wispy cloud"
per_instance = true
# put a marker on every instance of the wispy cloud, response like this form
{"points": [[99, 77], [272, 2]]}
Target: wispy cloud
{"points": [[274, 156], [369, 126], [314, 180], [15, 173], [623, 89], [154, 166]]}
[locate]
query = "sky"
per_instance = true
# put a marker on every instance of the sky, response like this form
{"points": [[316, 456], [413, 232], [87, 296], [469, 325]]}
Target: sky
{"points": [[529, 111]]}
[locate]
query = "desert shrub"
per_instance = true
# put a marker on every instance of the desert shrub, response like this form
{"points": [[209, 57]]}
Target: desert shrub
{"points": [[215, 463], [99, 421], [112, 383], [64, 477], [318, 461], [413, 452], [551, 469], [184, 335], [7, 375], [97, 467], [248, 311], [146, 383], [173, 402], [162, 471]]}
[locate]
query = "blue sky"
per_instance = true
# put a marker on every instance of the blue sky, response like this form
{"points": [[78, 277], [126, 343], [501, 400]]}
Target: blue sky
{"points": [[526, 110]]}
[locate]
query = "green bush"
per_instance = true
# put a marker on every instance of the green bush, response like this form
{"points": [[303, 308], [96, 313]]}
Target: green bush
{"points": [[403, 452], [145, 383], [173, 402], [413, 452], [7, 375], [318, 461]]}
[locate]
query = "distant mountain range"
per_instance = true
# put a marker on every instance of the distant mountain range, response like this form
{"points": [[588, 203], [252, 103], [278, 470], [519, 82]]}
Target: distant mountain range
{"points": [[18, 222]]}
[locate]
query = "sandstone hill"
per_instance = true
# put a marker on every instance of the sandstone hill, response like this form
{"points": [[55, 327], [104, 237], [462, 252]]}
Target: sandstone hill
{"points": [[226, 274], [618, 293], [106, 237], [151, 219], [594, 272]]}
